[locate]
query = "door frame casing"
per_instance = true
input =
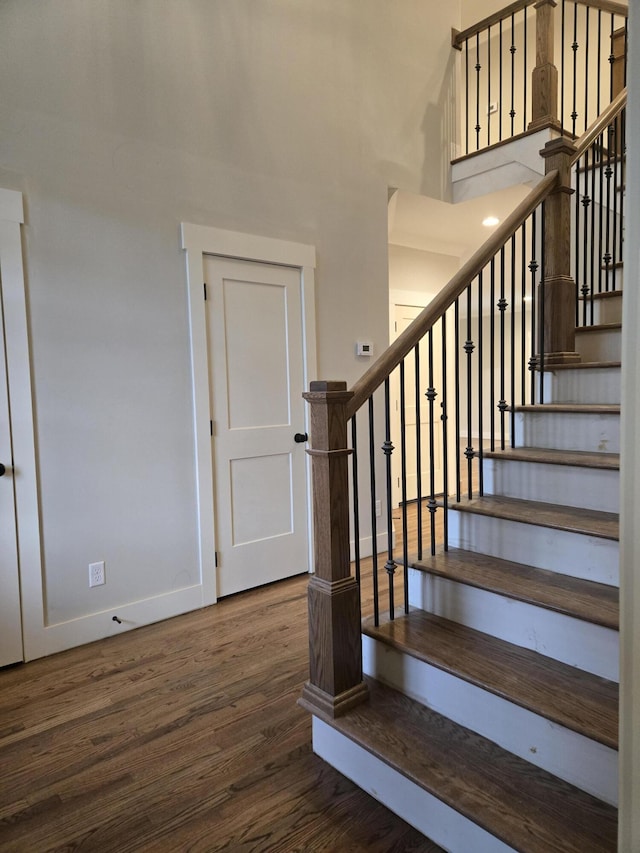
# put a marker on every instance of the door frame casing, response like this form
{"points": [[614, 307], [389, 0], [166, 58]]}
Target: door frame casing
{"points": [[25, 477], [197, 241]]}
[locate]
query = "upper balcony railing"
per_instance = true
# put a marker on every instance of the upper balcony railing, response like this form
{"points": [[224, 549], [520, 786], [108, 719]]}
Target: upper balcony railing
{"points": [[539, 64]]}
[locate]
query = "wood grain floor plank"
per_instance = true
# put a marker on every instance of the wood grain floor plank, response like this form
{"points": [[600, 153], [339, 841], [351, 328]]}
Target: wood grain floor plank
{"points": [[170, 737]]}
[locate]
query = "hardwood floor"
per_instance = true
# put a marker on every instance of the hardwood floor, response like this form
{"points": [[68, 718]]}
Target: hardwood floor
{"points": [[181, 736]]}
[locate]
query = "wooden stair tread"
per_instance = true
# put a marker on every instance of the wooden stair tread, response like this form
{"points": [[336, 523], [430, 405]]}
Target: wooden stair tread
{"points": [[583, 365], [582, 599], [582, 702], [574, 458], [599, 327], [522, 805], [572, 408], [603, 294], [604, 525]]}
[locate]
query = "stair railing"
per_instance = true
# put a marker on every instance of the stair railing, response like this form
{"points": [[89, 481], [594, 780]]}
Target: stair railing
{"points": [[599, 167], [447, 390], [540, 64]]}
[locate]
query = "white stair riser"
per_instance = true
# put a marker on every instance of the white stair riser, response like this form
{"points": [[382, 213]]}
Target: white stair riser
{"points": [[569, 485], [568, 431], [572, 641], [588, 385], [576, 554], [600, 345], [577, 759], [608, 310], [424, 812]]}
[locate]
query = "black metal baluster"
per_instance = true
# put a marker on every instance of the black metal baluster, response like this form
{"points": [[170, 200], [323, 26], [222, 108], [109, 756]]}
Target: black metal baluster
{"points": [[525, 74], [512, 413], [456, 349], [623, 148], [616, 154], [586, 70], [608, 174], [492, 355], [523, 319], [588, 296], [601, 168], [466, 76], [445, 437], [431, 395], [489, 85], [512, 49], [374, 523], [480, 453], [586, 245], [356, 500], [403, 484], [418, 394], [478, 68], [599, 63], [577, 238], [502, 304], [533, 268], [387, 449], [574, 48], [500, 102], [612, 58], [469, 348], [543, 230]]}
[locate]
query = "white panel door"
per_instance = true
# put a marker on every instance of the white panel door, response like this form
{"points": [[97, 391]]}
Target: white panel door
{"points": [[254, 316], [404, 315], [10, 615]]}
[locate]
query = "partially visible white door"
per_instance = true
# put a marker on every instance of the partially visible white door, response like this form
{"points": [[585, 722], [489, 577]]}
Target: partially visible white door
{"points": [[404, 315], [255, 326], [10, 614]]}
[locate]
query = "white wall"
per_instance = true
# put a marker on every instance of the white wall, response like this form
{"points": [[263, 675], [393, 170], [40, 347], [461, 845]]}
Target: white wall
{"points": [[119, 121]]}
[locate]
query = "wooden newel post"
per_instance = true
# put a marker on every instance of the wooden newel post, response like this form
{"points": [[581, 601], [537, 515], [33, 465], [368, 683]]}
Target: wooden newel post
{"points": [[544, 82], [557, 294], [335, 647]]}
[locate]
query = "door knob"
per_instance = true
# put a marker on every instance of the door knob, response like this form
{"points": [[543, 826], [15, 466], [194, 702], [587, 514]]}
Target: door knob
{"points": [[2, 469], [300, 437]]}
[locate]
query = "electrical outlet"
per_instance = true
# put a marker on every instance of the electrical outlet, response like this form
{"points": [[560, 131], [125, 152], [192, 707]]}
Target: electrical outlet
{"points": [[96, 574], [493, 108], [378, 508]]}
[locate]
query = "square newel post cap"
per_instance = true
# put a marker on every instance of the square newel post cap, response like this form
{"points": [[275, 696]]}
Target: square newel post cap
{"points": [[325, 385], [561, 145]]}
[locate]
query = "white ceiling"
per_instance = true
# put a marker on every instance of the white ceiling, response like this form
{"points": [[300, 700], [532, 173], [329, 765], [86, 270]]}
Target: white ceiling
{"points": [[448, 229]]}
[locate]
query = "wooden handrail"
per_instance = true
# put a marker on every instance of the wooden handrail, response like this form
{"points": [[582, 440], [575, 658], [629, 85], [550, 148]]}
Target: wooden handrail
{"points": [[599, 125], [459, 38], [606, 6], [393, 355]]}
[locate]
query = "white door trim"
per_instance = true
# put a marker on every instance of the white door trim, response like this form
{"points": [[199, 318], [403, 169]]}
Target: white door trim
{"points": [[199, 240], [24, 454]]}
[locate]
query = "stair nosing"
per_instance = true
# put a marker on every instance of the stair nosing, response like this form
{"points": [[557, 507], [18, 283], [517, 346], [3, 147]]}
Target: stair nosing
{"points": [[582, 365], [600, 327], [497, 507], [572, 408], [513, 806], [569, 458], [426, 565], [529, 662]]}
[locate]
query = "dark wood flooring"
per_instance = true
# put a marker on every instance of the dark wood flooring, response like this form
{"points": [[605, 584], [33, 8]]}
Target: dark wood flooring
{"points": [[181, 736]]}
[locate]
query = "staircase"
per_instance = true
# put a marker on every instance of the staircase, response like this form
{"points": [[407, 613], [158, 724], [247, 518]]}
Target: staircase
{"points": [[492, 718]]}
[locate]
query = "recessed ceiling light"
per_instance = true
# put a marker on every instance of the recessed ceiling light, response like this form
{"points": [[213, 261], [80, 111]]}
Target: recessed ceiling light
{"points": [[490, 220]]}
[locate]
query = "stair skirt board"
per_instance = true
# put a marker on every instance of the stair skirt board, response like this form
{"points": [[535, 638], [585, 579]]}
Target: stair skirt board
{"points": [[587, 385], [584, 763], [589, 647], [568, 431], [588, 488], [426, 813], [577, 554]]}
